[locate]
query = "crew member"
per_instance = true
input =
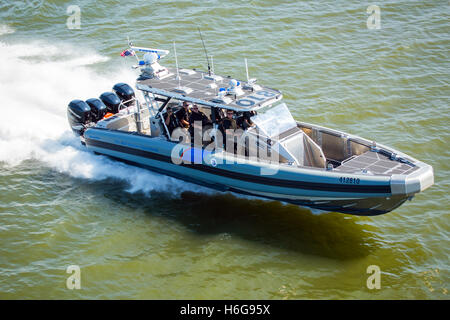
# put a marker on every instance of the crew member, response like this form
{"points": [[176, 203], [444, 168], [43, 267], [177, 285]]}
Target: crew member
{"points": [[171, 120], [183, 115], [197, 115], [244, 121], [228, 128], [229, 122], [194, 119]]}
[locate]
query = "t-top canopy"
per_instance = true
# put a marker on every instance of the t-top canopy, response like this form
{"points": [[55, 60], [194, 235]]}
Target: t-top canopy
{"points": [[213, 91]]}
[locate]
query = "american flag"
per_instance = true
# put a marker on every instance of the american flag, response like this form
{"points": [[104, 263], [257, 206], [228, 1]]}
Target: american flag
{"points": [[128, 52]]}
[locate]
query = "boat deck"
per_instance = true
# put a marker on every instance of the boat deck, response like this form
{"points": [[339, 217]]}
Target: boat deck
{"points": [[375, 163], [200, 90]]}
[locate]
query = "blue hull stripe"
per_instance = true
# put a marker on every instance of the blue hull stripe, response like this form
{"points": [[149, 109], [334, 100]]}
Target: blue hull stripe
{"points": [[381, 189], [331, 207]]}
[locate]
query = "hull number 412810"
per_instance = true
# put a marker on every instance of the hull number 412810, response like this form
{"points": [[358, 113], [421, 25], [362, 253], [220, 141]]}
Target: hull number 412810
{"points": [[349, 180]]}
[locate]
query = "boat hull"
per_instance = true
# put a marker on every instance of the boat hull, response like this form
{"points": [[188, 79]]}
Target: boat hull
{"points": [[312, 187]]}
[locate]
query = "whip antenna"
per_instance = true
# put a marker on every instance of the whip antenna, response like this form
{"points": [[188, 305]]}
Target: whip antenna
{"points": [[176, 61], [246, 70], [206, 52]]}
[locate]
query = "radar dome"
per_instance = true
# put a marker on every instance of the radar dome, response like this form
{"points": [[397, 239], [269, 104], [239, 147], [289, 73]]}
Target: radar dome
{"points": [[150, 58], [233, 83]]}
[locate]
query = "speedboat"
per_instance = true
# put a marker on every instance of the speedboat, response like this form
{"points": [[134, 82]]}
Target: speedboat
{"points": [[273, 156]]}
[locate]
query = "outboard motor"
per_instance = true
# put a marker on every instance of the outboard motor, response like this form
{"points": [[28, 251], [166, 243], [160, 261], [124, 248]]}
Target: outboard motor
{"points": [[125, 93], [79, 114], [98, 109], [112, 101]]}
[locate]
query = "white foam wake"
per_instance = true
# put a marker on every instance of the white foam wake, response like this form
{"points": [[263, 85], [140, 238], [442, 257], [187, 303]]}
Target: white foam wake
{"points": [[5, 29], [37, 81]]}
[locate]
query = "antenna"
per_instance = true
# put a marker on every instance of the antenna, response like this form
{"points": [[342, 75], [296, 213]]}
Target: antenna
{"points": [[176, 62], [206, 52], [251, 83], [180, 89], [246, 69], [212, 64]]}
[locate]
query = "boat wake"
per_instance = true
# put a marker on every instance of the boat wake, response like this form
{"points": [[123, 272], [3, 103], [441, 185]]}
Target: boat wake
{"points": [[5, 29], [37, 81]]}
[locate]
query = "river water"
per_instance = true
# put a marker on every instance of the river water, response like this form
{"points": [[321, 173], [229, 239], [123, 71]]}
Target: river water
{"points": [[136, 234]]}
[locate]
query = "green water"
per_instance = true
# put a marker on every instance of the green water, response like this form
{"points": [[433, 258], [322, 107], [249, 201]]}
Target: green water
{"points": [[139, 235]]}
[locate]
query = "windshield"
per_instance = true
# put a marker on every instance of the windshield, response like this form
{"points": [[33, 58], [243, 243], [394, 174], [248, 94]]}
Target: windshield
{"points": [[274, 120]]}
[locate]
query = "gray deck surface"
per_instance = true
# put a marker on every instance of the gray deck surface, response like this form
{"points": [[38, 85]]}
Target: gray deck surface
{"points": [[248, 101], [376, 163]]}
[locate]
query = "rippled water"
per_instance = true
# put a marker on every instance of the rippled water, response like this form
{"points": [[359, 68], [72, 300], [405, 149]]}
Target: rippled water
{"points": [[136, 234]]}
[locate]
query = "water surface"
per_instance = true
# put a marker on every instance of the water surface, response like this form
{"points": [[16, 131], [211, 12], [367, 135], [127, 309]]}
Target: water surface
{"points": [[140, 235]]}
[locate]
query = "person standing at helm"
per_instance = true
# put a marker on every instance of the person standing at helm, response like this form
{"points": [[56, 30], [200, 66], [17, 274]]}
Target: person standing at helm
{"points": [[198, 122], [183, 115], [197, 115]]}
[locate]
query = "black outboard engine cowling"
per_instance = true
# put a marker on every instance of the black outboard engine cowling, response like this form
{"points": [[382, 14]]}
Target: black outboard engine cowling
{"points": [[112, 101], [125, 93], [98, 109], [79, 114]]}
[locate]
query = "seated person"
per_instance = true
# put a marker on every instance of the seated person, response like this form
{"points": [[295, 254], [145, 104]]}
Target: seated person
{"points": [[244, 121], [229, 122], [197, 115], [219, 114], [183, 115], [170, 120]]}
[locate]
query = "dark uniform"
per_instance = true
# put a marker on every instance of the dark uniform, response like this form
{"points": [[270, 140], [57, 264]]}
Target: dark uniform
{"points": [[182, 114], [199, 116], [244, 121], [218, 113], [229, 124], [173, 122]]}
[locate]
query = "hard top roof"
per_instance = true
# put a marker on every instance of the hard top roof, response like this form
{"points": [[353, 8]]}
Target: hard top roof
{"points": [[205, 95]]}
